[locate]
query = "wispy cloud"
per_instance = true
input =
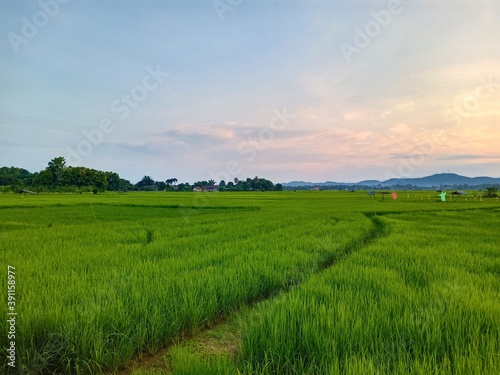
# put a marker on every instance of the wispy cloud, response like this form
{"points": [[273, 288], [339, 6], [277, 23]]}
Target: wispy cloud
{"points": [[469, 157]]}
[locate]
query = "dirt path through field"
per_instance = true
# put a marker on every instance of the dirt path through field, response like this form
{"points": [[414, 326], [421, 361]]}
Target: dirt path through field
{"points": [[223, 335]]}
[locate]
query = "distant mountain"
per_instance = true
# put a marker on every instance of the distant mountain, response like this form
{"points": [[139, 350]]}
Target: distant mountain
{"points": [[442, 179], [436, 180], [369, 182]]}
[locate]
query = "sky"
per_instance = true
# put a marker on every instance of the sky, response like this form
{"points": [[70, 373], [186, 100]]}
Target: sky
{"points": [[338, 90]]}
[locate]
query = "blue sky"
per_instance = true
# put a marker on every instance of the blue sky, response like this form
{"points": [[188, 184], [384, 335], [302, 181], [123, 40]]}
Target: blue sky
{"points": [[286, 90]]}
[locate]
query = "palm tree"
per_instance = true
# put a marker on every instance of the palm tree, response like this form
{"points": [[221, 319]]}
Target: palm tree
{"points": [[171, 181]]}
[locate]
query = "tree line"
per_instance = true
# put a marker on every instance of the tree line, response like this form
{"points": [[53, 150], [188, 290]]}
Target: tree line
{"points": [[58, 177]]}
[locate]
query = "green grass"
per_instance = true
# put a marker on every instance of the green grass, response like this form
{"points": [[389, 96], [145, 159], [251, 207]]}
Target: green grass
{"points": [[425, 299], [104, 278]]}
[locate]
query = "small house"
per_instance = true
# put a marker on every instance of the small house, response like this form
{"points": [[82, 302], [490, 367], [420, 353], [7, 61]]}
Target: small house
{"points": [[211, 188]]}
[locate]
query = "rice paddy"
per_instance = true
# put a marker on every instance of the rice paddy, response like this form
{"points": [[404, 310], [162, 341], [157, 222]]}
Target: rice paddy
{"points": [[321, 283]]}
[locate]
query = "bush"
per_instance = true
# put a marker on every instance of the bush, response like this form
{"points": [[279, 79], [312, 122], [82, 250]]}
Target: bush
{"points": [[491, 192]]}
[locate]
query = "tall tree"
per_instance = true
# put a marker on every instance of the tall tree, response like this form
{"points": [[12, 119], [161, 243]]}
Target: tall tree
{"points": [[146, 181], [113, 181], [56, 167]]}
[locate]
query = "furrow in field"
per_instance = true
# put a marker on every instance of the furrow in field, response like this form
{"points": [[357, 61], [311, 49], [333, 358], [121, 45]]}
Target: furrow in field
{"points": [[223, 336], [422, 300]]}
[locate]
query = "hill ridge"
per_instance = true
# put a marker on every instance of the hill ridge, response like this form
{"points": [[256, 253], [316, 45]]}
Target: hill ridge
{"points": [[435, 180]]}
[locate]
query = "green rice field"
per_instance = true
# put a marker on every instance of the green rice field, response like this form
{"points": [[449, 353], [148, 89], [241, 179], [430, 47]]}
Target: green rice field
{"points": [[250, 283]]}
